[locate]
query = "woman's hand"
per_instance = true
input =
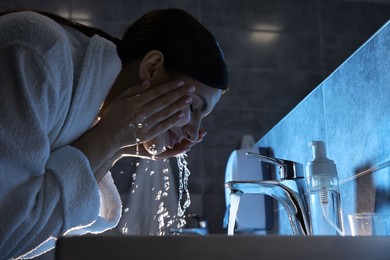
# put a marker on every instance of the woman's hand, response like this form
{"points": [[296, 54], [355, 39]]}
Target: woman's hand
{"points": [[135, 116], [182, 147], [141, 152], [141, 113]]}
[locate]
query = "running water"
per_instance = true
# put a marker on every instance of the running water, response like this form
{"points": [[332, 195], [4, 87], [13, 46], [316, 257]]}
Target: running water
{"points": [[163, 217], [168, 221], [234, 203], [184, 174]]}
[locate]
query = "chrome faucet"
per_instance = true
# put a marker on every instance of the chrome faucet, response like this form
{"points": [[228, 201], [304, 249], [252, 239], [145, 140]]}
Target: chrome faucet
{"points": [[289, 191]]}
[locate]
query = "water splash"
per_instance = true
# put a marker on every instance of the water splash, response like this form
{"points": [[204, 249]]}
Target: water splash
{"points": [[167, 222], [163, 217], [162, 214]]}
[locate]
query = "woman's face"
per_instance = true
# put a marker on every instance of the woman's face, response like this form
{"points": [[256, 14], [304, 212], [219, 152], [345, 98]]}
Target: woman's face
{"points": [[203, 101]]}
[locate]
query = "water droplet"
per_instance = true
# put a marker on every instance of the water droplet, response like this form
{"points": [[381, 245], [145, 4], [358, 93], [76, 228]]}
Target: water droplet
{"points": [[166, 185], [158, 197], [125, 229], [137, 140]]}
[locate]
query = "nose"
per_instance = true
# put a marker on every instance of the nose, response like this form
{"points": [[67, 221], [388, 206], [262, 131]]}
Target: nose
{"points": [[191, 130]]}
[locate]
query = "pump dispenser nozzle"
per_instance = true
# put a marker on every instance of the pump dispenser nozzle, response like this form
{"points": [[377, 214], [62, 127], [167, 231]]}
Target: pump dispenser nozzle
{"points": [[318, 148], [320, 163]]}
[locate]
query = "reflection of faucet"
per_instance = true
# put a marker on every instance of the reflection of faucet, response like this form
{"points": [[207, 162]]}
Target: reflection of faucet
{"points": [[289, 191]]}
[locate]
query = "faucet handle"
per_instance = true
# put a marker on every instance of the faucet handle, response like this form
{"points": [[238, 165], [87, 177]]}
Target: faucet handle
{"points": [[287, 169], [293, 170]]}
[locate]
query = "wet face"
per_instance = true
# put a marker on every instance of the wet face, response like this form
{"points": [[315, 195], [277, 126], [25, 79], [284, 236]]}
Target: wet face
{"points": [[204, 100]]}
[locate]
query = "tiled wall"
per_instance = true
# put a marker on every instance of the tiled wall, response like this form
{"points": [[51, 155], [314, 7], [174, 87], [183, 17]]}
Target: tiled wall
{"points": [[350, 112], [277, 51]]}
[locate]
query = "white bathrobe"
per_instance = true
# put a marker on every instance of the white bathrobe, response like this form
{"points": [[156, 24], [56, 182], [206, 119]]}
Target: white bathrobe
{"points": [[53, 80]]}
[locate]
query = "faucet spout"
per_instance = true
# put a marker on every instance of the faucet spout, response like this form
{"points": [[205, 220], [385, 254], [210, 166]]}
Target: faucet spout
{"points": [[289, 191], [290, 199]]}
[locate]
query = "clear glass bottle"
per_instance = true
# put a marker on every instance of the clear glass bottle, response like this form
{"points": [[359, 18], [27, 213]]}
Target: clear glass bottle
{"points": [[324, 203], [323, 193]]}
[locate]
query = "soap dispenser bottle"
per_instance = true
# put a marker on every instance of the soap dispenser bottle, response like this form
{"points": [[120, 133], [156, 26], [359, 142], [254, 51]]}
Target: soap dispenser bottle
{"points": [[323, 193]]}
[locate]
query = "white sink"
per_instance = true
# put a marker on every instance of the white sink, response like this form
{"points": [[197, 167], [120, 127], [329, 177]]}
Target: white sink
{"points": [[214, 247]]}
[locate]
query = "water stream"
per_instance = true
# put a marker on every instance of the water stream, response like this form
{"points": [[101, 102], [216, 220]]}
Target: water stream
{"points": [[184, 174], [234, 203]]}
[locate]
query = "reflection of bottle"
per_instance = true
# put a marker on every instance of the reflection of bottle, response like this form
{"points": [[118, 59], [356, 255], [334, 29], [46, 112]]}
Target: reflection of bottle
{"points": [[323, 193]]}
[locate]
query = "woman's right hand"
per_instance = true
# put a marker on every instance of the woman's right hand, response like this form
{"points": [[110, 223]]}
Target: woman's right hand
{"points": [[135, 116], [141, 113]]}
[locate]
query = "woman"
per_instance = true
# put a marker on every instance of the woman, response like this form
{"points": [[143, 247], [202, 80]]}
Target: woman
{"points": [[72, 103]]}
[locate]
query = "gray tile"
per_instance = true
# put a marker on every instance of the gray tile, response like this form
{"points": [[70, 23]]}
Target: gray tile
{"points": [[214, 171], [369, 1], [226, 127], [214, 210], [258, 89], [124, 10], [353, 18], [269, 50], [56, 6], [277, 15]]}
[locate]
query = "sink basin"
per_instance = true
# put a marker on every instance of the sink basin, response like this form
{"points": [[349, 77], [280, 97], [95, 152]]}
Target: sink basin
{"points": [[214, 247]]}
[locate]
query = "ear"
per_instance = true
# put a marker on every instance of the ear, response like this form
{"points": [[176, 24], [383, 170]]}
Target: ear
{"points": [[151, 65]]}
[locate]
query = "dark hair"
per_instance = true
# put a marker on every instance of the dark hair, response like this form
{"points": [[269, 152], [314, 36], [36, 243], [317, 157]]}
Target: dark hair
{"points": [[188, 47]]}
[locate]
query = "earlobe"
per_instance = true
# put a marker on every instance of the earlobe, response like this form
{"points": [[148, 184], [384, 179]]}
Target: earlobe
{"points": [[151, 64]]}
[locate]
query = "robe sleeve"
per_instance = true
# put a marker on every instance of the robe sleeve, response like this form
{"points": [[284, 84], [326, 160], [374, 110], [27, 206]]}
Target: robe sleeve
{"points": [[43, 194]]}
